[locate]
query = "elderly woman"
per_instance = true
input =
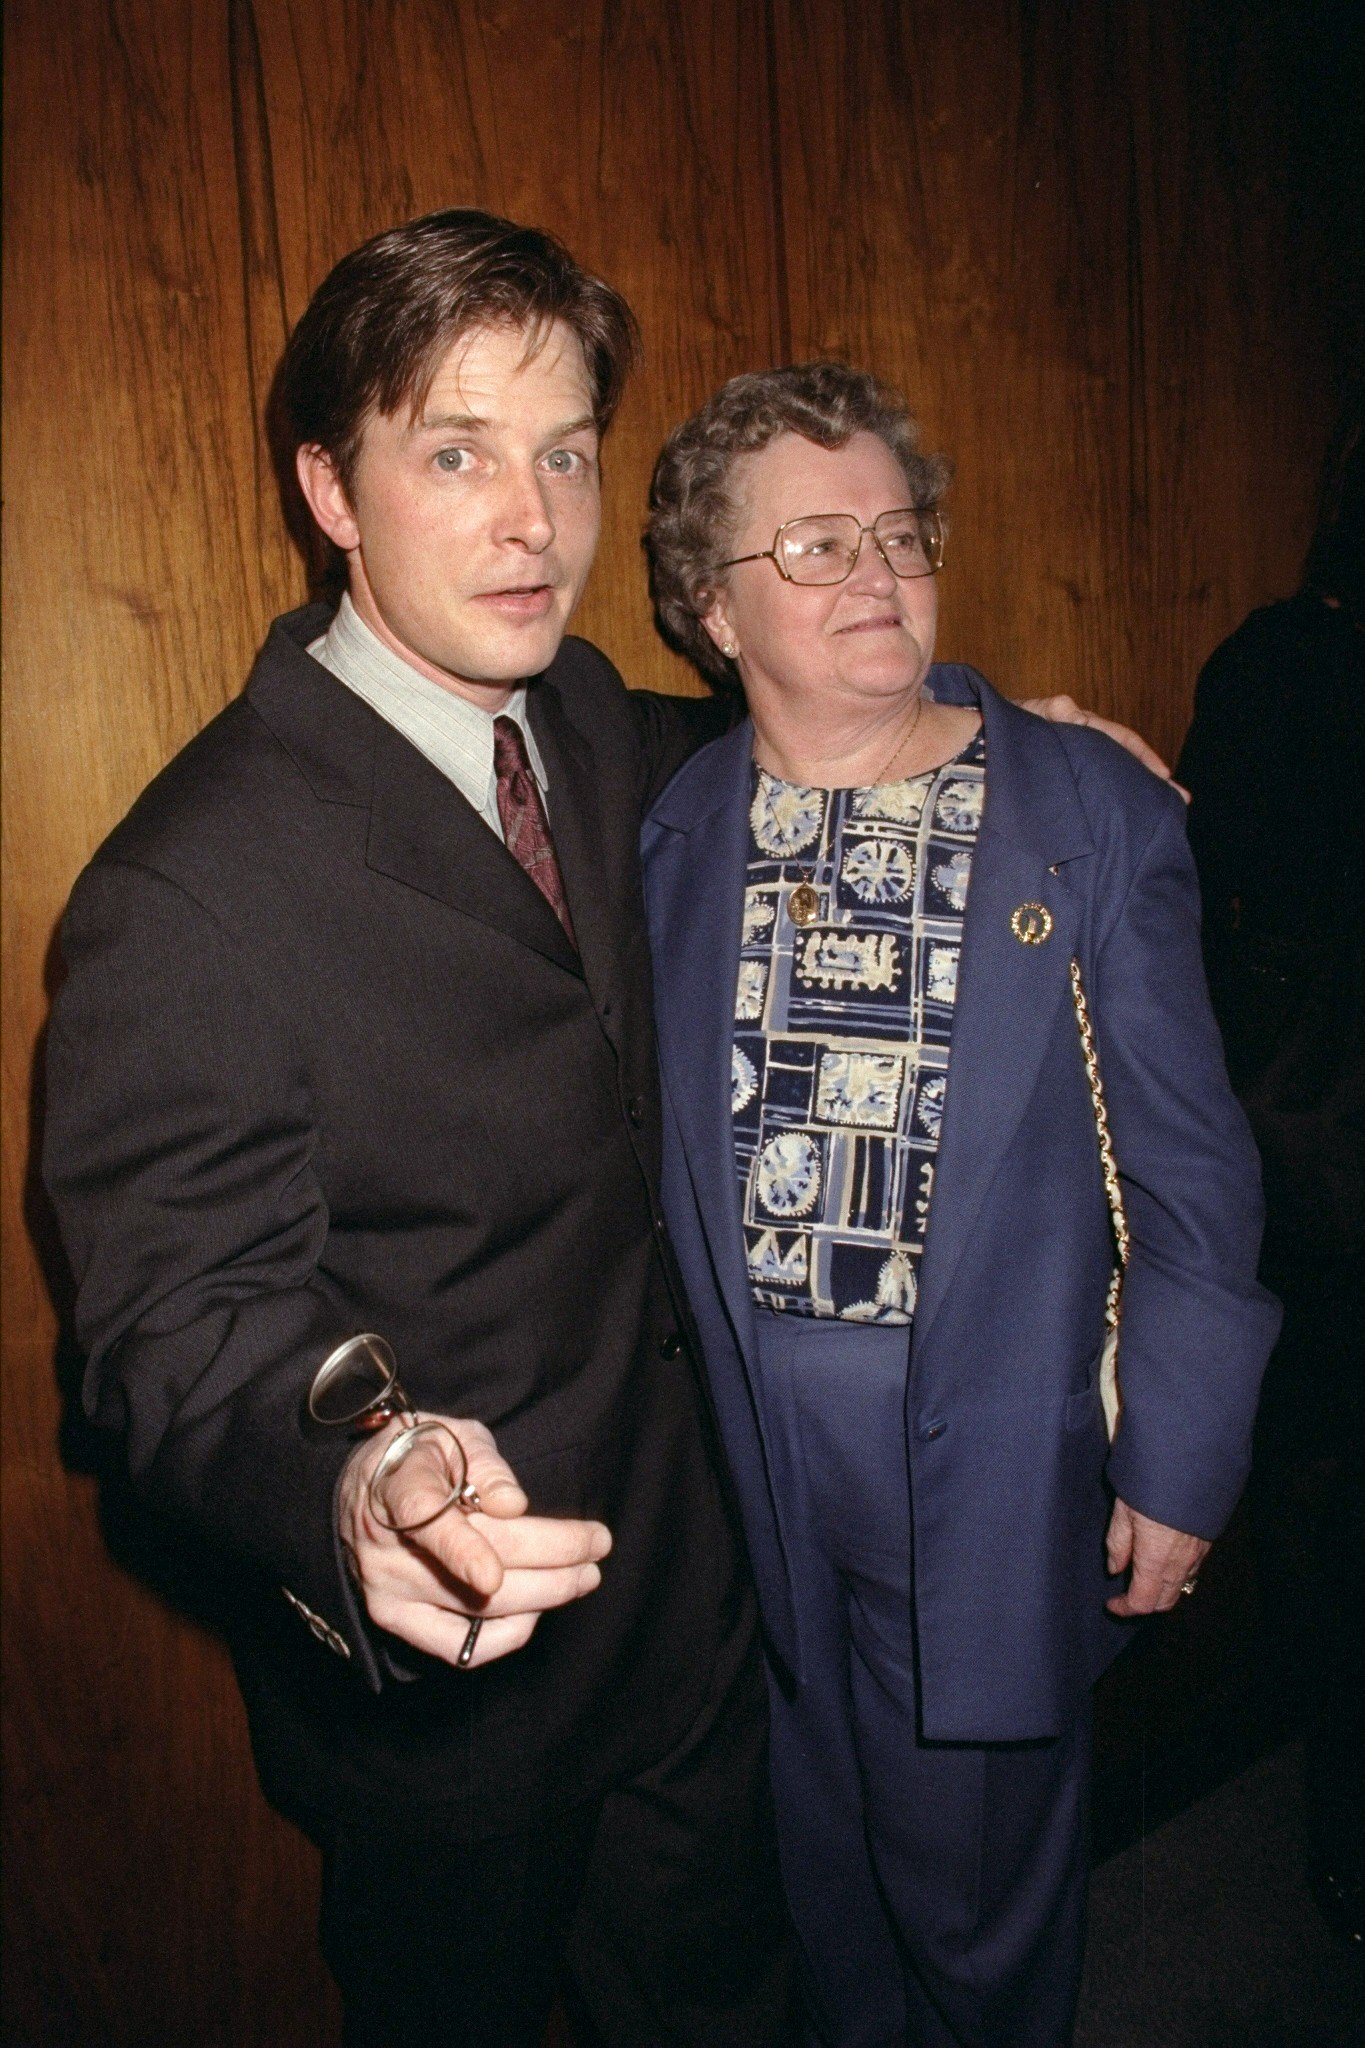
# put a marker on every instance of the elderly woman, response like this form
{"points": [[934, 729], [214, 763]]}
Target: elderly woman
{"points": [[907, 941]]}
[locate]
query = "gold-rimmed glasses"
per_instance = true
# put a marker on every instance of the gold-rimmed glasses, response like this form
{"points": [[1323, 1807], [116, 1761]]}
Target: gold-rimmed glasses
{"points": [[823, 547], [357, 1388]]}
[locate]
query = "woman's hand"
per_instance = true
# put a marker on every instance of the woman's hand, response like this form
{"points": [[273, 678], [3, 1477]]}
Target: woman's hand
{"points": [[1065, 710], [1162, 1562]]}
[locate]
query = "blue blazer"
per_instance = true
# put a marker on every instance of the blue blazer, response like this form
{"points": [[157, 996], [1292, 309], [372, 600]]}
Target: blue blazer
{"points": [[1009, 1470]]}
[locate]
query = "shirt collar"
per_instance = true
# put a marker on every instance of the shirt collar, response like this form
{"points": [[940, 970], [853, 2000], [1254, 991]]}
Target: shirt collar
{"points": [[455, 735]]}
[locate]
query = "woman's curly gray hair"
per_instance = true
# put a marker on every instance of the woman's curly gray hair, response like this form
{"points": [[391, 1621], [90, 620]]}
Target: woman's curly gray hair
{"points": [[692, 513]]}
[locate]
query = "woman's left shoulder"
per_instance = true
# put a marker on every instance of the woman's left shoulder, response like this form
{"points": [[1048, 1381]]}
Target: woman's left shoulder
{"points": [[1100, 763], [1118, 796]]}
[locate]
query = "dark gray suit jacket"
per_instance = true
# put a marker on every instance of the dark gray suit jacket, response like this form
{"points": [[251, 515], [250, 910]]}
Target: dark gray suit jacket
{"points": [[324, 1061]]}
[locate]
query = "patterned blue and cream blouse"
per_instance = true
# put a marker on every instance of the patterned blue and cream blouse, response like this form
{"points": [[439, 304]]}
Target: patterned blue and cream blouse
{"points": [[842, 1032]]}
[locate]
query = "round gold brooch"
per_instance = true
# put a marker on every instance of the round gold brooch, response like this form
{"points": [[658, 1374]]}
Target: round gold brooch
{"points": [[1031, 923]]}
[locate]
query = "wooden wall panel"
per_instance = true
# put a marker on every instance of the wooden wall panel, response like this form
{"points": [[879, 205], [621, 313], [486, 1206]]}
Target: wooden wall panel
{"points": [[178, 180], [1075, 237], [628, 130], [151, 1896], [1072, 233]]}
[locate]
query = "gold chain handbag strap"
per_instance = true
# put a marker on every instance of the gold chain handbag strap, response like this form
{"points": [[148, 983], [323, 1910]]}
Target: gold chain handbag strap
{"points": [[1112, 1189]]}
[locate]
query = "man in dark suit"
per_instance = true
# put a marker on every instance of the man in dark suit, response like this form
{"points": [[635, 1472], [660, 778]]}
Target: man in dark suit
{"points": [[357, 1037], [354, 1040]]}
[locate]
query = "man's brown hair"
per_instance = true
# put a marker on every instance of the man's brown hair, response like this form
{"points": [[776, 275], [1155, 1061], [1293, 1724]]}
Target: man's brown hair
{"points": [[378, 326]]}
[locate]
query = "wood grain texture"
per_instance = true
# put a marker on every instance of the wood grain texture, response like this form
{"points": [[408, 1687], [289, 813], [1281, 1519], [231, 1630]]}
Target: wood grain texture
{"points": [[150, 1896], [1073, 237], [1105, 248]]}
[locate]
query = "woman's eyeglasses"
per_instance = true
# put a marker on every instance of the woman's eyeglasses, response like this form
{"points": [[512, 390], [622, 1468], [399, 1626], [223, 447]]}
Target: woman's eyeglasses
{"points": [[824, 547]]}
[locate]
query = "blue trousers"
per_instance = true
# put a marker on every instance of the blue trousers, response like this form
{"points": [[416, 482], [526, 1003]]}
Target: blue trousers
{"points": [[938, 1889]]}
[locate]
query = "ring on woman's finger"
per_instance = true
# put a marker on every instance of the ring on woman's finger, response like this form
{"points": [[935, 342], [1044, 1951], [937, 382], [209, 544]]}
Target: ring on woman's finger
{"points": [[467, 1647]]}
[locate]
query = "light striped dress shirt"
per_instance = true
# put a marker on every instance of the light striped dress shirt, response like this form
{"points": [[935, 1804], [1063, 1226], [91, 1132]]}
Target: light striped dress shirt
{"points": [[455, 735]]}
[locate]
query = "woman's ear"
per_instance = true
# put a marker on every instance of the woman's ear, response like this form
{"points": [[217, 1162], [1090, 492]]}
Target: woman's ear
{"points": [[326, 495], [716, 620]]}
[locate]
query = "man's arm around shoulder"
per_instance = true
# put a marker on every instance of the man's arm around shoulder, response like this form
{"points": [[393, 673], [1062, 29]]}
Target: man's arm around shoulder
{"points": [[669, 729]]}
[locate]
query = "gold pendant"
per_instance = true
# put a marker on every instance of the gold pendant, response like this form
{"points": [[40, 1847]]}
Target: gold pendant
{"points": [[803, 905]]}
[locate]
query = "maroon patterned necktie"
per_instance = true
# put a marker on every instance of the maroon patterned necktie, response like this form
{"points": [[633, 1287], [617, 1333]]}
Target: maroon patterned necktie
{"points": [[525, 827]]}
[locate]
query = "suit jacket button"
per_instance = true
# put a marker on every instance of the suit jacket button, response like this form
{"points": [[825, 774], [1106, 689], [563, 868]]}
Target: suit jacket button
{"points": [[671, 1345], [635, 1110], [928, 1431]]}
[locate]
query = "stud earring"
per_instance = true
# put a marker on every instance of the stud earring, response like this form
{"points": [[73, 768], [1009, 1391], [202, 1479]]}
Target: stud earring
{"points": [[730, 649]]}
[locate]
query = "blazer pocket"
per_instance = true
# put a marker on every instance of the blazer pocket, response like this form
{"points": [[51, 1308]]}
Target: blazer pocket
{"points": [[1083, 1407]]}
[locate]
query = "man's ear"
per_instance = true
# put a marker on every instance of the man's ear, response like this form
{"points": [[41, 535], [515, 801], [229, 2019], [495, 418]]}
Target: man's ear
{"points": [[326, 495]]}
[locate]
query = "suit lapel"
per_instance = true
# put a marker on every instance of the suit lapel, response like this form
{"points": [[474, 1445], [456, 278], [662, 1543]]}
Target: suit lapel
{"points": [[1008, 992], [696, 900], [591, 884], [422, 832], [425, 835]]}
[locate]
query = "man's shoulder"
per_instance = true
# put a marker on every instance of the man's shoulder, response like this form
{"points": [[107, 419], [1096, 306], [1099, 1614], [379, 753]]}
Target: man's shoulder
{"points": [[1279, 651], [237, 774], [217, 773], [581, 662], [590, 693], [593, 690]]}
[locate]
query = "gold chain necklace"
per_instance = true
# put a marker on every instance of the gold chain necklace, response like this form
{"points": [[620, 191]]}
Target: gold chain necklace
{"points": [[803, 904]]}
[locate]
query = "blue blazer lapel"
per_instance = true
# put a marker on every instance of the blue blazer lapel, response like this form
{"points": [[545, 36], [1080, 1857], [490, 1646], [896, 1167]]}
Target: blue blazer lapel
{"points": [[1008, 993], [699, 833]]}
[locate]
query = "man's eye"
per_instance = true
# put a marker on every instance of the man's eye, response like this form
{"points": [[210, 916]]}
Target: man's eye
{"points": [[453, 460], [565, 462]]}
